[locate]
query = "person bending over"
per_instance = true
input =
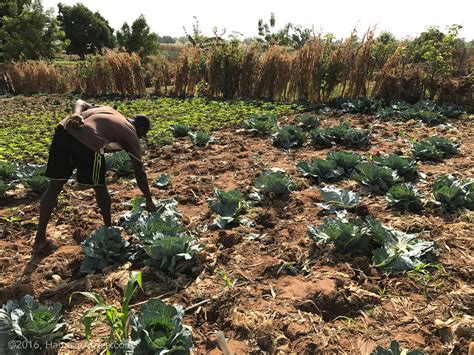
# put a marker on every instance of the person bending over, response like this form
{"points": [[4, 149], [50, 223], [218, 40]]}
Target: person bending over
{"points": [[80, 141]]}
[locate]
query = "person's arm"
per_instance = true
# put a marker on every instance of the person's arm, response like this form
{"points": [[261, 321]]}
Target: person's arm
{"points": [[76, 119], [142, 182]]}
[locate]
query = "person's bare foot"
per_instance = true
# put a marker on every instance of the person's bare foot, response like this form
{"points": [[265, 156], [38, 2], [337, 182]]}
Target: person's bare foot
{"points": [[42, 245]]}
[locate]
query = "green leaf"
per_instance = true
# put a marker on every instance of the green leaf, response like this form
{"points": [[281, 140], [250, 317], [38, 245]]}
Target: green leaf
{"points": [[162, 181]]}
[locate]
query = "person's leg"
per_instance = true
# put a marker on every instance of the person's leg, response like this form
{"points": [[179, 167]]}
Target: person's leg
{"points": [[47, 204], [102, 197]]}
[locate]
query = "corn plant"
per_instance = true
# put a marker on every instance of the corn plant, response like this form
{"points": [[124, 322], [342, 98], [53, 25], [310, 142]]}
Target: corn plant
{"points": [[117, 319]]}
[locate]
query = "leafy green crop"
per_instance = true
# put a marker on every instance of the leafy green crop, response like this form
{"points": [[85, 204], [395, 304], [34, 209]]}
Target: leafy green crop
{"points": [[377, 178], [346, 160], [162, 181], [431, 117], [405, 167], [339, 198], [320, 169], [7, 170], [158, 330], [274, 183], [399, 251], [346, 235], [201, 138], [4, 187], [39, 326], [289, 137], [394, 350], [263, 125], [174, 254], [321, 138], [105, 247], [119, 162], [434, 149], [404, 197], [308, 121], [228, 205], [452, 193], [180, 130], [38, 184]]}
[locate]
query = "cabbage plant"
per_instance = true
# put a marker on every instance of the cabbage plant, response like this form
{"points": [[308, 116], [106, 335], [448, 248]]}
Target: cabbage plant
{"points": [[158, 329], [394, 350], [228, 205], [308, 121], [320, 169], [337, 199], [105, 247], [346, 160], [452, 193], [399, 251], [274, 183], [31, 323], [7, 170], [404, 197], [174, 254], [347, 235], [289, 137], [38, 184], [405, 167], [321, 138], [162, 181], [434, 149], [263, 125], [180, 130], [378, 178], [4, 187], [119, 162], [201, 138]]}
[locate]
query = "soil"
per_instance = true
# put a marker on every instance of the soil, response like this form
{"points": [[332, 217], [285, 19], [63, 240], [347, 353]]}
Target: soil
{"points": [[285, 294]]}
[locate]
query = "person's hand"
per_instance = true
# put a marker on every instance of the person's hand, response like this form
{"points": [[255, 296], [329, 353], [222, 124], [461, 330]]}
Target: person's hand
{"points": [[74, 121], [150, 206]]}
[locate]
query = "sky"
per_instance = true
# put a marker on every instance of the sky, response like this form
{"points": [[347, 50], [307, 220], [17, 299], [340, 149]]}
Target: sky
{"points": [[404, 18]]}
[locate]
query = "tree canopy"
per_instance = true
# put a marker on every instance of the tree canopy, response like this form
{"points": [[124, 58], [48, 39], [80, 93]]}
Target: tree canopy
{"points": [[138, 38], [88, 32], [31, 32]]}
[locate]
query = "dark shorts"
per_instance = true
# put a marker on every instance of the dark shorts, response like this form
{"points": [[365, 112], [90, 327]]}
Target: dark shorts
{"points": [[67, 153]]}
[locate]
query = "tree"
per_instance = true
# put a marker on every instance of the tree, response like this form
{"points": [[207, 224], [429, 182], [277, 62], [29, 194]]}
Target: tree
{"points": [[87, 32], [12, 8], [32, 33], [290, 35], [138, 38], [167, 39], [384, 45]]}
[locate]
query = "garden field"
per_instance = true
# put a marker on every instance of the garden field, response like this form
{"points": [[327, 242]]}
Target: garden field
{"points": [[320, 251]]}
